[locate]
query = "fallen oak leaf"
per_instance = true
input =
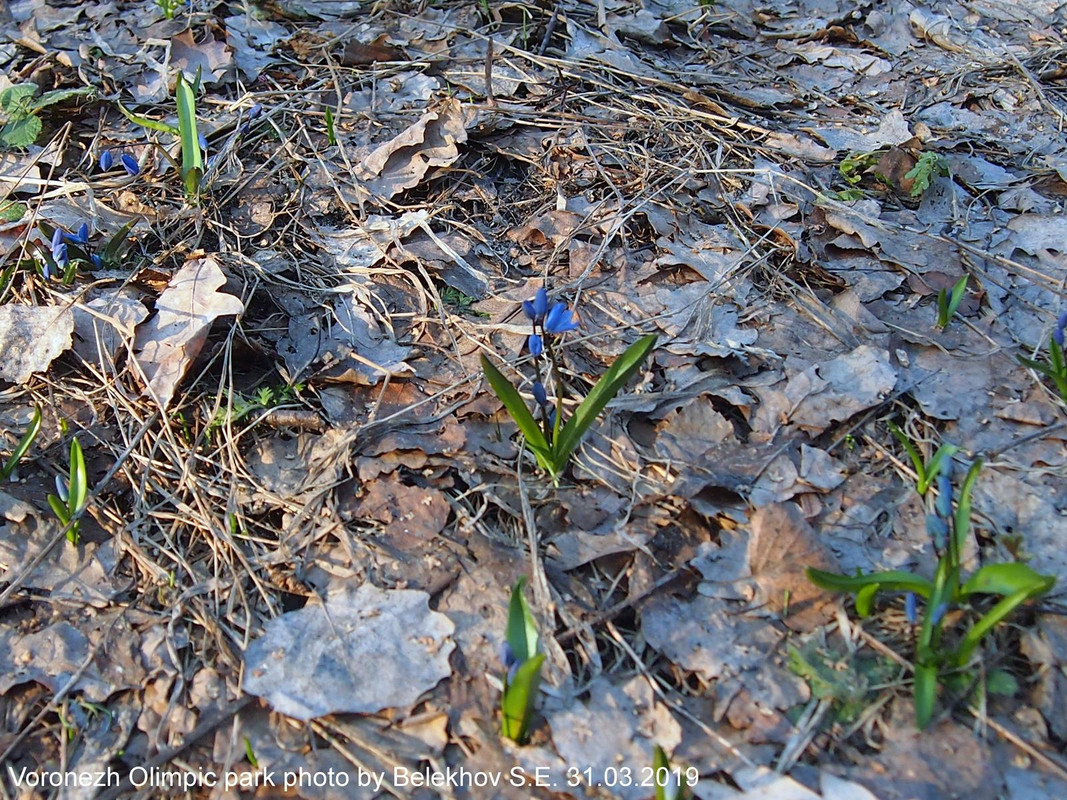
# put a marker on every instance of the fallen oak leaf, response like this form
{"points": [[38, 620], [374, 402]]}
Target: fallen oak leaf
{"points": [[168, 343]]}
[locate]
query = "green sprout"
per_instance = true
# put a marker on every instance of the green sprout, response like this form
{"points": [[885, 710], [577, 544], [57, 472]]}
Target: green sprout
{"points": [[263, 398], [1056, 365], [192, 166], [331, 131], [24, 445], [928, 165], [553, 442], [925, 471], [671, 783], [948, 304], [523, 664], [19, 124], [170, 7], [73, 492], [937, 659]]}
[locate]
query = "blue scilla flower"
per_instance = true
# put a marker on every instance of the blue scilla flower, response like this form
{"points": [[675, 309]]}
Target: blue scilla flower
{"points": [[537, 308], [939, 614], [937, 527], [81, 237], [535, 344], [129, 163], [910, 610], [943, 505], [98, 262], [539, 393], [1061, 325], [510, 660], [107, 161], [59, 248], [560, 319]]}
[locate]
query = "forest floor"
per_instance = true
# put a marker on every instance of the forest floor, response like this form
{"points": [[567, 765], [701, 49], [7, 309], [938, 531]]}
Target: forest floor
{"points": [[305, 509]]}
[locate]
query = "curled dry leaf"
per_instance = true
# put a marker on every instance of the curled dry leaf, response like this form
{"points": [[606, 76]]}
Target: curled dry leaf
{"points": [[364, 650], [169, 342], [31, 337]]}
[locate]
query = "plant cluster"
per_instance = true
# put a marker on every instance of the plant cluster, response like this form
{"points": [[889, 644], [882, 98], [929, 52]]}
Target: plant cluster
{"points": [[19, 124], [553, 441], [944, 654]]}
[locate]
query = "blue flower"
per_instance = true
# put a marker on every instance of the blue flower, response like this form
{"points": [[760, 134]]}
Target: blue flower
{"points": [[939, 614], [909, 608], [536, 344], [59, 248], [539, 393], [255, 111], [943, 505], [938, 530], [511, 661], [129, 163], [81, 237], [535, 309], [1061, 324], [98, 262], [560, 319], [107, 161]]}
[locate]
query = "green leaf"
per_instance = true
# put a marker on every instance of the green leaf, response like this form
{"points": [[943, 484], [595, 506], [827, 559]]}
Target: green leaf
{"points": [[113, 249], [145, 122], [23, 445], [1005, 579], [925, 694], [985, 624], [894, 580], [865, 599], [518, 699], [1040, 366], [513, 402], [957, 295], [1001, 682], [58, 96], [962, 521], [192, 158], [12, 212], [79, 486], [21, 132], [916, 459], [606, 388], [14, 99], [59, 508], [522, 627]]}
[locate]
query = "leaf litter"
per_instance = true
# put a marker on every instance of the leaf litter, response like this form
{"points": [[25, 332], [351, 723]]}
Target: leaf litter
{"points": [[735, 179]]}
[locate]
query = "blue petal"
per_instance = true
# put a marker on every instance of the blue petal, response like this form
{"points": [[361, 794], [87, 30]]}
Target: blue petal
{"points": [[560, 319], [910, 608], [943, 505], [57, 239], [540, 302], [107, 161], [129, 163], [1061, 324], [938, 530], [539, 393], [939, 614], [535, 344], [82, 236]]}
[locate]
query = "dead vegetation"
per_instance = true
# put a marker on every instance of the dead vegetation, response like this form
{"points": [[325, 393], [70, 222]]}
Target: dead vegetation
{"points": [[307, 511]]}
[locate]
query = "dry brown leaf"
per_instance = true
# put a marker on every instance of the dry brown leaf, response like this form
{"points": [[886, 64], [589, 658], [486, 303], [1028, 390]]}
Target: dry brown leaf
{"points": [[31, 337], [403, 162], [781, 546], [169, 342]]}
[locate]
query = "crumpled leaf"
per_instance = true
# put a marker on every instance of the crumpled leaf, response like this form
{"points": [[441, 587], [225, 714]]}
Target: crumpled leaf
{"points": [[31, 337], [403, 162], [252, 41], [367, 649], [618, 725], [169, 342], [212, 59]]}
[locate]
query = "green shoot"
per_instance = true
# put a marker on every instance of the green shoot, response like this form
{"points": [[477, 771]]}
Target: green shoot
{"points": [[947, 304], [523, 663], [926, 473], [928, 165], [192, 158], [23, 445], [331, 133], [671, 783], [73, 492]]}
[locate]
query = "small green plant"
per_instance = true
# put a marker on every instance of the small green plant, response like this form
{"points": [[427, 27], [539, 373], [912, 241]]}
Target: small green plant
{"points": [[1056, 365], [553, 442], [672, 783], [948, 304], [170, 7], [24, 444], [331, 131], [460, 302], [523, 664], [72, 492], [852, 168], [192, 166], [928, 165], [940, 658], [263, 398], [19, 124], [926, 471]]}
